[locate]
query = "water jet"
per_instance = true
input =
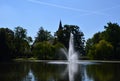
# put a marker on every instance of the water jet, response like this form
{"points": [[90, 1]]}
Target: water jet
{"points": [[71, 54]]}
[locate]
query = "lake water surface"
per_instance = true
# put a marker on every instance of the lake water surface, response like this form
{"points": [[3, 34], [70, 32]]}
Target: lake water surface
{"points": [[59, 71]]}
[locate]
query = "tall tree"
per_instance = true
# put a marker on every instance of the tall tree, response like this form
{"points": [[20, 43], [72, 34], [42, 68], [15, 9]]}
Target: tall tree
{"points": [[43, 35], [63, 35], [89, 44], [6, 44], [96, 37], [22, 41], [44, 46], [112, 34]]}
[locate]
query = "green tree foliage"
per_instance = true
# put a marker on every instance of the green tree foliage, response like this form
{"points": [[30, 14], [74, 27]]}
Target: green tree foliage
{"points": [[22, 41], [111, 43], [43, 35], [44, 47], [14, 43], [63, 35], [42, 50], [102, 50], [88, 46], [112, 34], [6, 44], [45, 50], [96, 38]]}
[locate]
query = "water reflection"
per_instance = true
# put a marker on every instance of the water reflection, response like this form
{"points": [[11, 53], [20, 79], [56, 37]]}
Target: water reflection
{"points": [[85, 76], [70, 70], [73, 68], [77, 72], [104, 72], [34, 71], [30, 76]]}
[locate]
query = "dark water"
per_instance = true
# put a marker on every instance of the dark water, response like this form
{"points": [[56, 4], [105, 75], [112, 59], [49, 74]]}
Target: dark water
{"points": [[42, 71]]}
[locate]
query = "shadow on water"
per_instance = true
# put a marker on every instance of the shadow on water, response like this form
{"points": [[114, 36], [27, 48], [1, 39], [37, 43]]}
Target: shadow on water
{"points": [[43, 71]]}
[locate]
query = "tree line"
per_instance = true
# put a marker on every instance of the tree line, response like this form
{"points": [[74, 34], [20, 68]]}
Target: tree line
{"points": [[105, 45], [16, 43]]}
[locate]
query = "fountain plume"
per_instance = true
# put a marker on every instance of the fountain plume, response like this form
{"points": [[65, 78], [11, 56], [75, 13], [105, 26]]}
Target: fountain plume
{"points": [[71, 54]]}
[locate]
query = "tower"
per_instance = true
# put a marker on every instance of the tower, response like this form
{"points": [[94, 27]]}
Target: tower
{"points": [[60, 26]]}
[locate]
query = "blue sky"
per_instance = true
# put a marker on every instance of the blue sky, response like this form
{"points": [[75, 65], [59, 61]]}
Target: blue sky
{"points": [[90, 15]]}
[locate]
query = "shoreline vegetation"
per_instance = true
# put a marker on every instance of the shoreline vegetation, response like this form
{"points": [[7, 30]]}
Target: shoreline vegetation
{"points": [[17, 45], [77, 61]]}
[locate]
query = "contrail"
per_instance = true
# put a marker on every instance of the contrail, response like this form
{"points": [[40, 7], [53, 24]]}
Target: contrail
{"points": [[68, 8]]}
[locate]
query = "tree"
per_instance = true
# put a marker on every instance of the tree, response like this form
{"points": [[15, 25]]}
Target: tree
{"points": [[47, 51], [43, 35], [22, 42], [112, 34], [88, 46], [43, 50], [20, 33], [63, 35], [6, 44], [43, 47], [96, 37], [102, 50]]}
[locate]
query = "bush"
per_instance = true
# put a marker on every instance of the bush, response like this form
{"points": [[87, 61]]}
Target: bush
{"points": [[46, 51], [103, 50]]}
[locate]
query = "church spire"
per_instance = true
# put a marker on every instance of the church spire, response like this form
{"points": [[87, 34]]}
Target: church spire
{"points": [[60, 26]]}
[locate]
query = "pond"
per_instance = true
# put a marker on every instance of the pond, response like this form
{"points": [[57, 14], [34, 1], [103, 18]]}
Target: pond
{"points": [[60, 71]]}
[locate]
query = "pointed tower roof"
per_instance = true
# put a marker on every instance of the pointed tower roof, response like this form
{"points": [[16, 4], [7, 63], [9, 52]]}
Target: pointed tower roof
{"points": [[60, 25]]}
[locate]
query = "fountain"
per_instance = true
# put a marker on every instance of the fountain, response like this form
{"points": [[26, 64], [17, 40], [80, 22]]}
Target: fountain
{"points": [[71, 55]]}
